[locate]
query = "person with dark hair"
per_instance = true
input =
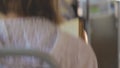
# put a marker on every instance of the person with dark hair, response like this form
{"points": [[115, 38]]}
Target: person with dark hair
{"points": [[32, 24], [27, 8]]}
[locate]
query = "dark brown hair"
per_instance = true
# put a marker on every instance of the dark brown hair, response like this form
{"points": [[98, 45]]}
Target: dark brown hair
{"points": [[30, 8]]}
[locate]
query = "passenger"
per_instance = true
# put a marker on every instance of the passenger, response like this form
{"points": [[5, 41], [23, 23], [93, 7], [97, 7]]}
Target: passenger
{"points": [[32, 24]]}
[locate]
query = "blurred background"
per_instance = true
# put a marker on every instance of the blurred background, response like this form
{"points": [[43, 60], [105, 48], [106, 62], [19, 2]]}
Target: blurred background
{"points": [[98, 23]]}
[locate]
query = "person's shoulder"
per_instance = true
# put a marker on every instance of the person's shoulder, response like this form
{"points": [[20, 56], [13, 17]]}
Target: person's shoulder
{"points": [[75, 42], [73, 49], [69, 38]]}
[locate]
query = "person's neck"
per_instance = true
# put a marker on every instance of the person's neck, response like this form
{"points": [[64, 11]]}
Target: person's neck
{"points": [[9, 15]]}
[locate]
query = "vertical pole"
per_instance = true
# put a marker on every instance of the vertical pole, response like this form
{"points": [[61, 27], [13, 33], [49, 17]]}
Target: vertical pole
{"points": [[81, 20], [87, 24], [87, 8], [84, 21], [118, 12]]}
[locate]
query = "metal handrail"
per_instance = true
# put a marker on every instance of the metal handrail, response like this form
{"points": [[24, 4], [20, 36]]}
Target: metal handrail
{"points": [[29, 52]]}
